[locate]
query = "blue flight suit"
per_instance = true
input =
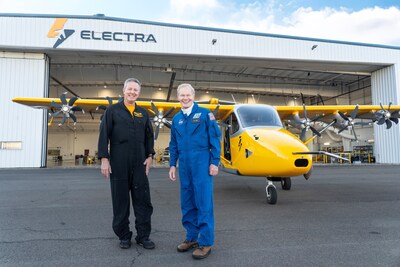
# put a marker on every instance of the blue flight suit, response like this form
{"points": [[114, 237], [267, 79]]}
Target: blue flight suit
{"points": [[195, 142]]}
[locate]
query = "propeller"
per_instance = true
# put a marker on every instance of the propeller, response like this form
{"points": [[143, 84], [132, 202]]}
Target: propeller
{"points": [[160, 119], [103, 107], [66, 108], [221, 123], [385, 116], [349, 121], [307, 122]]}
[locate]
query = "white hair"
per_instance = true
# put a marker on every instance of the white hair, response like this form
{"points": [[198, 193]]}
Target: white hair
{"points": [[185, 85]]}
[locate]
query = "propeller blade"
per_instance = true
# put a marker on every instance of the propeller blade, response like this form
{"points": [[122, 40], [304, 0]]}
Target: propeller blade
{"points": [[317, 118], [76, 108], [109, 100], [73, 117], [305, 111], [216, 110], [395, 114], [354, 133], [354, 113], [168, 124], [169, 112], [381, 121], [55, 114], [56, 105], [343, 116], [303, 133], [154, 108], [315, 131], [63, 100], [63, 120], [101, 107], [395, 120], [302, 99], [72, 101], [156, 134], [388, 124]]}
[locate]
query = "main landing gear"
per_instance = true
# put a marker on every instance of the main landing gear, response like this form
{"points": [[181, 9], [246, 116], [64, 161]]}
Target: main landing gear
{"points": [[270, 189]]}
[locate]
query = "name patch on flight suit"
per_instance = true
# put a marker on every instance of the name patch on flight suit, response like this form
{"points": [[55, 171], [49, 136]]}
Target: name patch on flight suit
{"points": [[196, 118], [138, 114]]}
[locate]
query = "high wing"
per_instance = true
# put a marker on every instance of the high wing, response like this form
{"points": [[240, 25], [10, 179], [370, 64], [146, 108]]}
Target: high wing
{"points": [[364, 111], [158, 109]]}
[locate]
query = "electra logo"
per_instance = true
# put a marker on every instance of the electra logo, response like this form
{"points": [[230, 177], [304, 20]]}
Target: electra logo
{"points": [[57, 30], [54, 31]]}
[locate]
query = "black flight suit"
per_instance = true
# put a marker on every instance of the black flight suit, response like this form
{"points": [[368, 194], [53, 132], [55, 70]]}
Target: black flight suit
{"points": [[131, 142]]}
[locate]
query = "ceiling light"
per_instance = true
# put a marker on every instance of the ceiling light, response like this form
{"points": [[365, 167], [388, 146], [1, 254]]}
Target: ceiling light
{"points": [[159, 89], [206, 92]]}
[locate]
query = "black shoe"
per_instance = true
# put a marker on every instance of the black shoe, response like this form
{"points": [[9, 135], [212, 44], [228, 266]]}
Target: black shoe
{"points": [[146, 243], [125, 243]]}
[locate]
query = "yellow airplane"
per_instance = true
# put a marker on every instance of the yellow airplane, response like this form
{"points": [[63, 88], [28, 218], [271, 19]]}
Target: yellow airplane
{"points": [[254, 141]]}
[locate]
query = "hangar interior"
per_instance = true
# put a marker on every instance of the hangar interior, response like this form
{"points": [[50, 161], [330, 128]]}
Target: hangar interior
{"points": [[273, 82]]}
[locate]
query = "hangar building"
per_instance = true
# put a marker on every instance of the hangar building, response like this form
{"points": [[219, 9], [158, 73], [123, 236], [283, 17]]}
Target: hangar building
{"points": [[91, 56]]}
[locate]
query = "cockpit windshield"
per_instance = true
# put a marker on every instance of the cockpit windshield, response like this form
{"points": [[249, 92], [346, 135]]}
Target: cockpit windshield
{"points": [[258, 115]]}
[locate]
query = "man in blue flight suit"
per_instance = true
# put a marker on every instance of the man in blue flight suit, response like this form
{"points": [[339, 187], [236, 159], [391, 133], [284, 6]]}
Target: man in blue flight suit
{"points": [[195, 142], [128, 130]]}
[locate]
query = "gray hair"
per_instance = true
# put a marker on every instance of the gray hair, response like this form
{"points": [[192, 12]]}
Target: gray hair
{"points": [[185, 85], [131, 80]]}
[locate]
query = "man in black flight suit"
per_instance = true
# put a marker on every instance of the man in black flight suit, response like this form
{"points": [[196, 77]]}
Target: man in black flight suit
{"points": [[128, 130]]}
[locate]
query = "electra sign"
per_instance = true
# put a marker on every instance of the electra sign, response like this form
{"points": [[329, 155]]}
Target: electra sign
{"points": [[57, 30], [118, 36]]}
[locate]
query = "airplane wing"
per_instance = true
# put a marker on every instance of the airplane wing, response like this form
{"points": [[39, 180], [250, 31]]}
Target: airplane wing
{"points": [[371, 112], [364, 111], [160, 109]]}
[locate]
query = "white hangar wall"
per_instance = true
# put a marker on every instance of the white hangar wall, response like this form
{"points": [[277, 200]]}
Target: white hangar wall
{"points": [[112, 35], [387, 145], [23, 130]]}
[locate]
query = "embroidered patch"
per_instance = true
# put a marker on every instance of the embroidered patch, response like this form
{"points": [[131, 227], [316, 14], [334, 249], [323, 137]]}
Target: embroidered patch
{"points": [[197, 120], [138, 114], [180, 122], [196, 116], [211, 115]]}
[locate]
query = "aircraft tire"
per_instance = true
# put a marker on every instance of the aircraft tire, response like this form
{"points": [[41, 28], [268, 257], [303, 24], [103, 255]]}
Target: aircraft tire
{"points": [[286, 183], [272, 195]]}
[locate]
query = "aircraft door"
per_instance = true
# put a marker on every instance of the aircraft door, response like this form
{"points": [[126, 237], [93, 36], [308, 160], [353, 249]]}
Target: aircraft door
{"points": [[228, 131]]}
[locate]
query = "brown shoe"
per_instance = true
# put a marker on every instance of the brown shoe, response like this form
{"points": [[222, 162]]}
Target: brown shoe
{"points": [[201, 252], [186, 245]]}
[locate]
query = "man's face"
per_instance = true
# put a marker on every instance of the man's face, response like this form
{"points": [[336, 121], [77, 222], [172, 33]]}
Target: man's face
{"points": [[186, 98], [131, 92]]}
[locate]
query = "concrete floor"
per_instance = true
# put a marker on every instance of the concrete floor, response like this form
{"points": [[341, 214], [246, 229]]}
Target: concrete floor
{"points": [[345, 215]]}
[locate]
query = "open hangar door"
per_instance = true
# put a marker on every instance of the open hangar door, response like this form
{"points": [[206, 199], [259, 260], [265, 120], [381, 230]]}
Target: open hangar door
{"points": [[273, 82]]}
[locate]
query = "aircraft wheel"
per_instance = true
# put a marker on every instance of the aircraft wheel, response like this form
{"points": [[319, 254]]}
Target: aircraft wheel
{"points": [[272, 195], [286, 183]]}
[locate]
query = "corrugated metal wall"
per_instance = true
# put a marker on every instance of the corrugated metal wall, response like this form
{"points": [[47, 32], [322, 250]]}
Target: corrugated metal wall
{"points": [[22, 74], [385, 89]]}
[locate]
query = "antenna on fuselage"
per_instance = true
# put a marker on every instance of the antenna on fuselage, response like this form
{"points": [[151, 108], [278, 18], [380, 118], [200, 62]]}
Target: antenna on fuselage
{"points": [[234, 100]]}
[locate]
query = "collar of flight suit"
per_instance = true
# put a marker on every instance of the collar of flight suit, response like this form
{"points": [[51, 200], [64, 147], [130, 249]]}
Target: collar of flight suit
{"points": [[187, 127]]}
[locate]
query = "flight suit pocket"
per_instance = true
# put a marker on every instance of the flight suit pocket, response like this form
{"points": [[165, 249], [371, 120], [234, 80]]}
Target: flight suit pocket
{"points": [[141, 194]]}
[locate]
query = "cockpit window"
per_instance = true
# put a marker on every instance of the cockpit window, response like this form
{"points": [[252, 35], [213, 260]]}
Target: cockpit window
{"points": [[258, 116]]}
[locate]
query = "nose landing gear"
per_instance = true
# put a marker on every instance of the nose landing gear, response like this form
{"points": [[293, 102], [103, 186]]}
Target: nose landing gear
{"points": [[272, 195]]}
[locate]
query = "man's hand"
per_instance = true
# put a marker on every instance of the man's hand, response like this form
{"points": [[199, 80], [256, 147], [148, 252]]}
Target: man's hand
{"points": [[172, 175], [148, 163], [105, 167], [213, 170]]}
